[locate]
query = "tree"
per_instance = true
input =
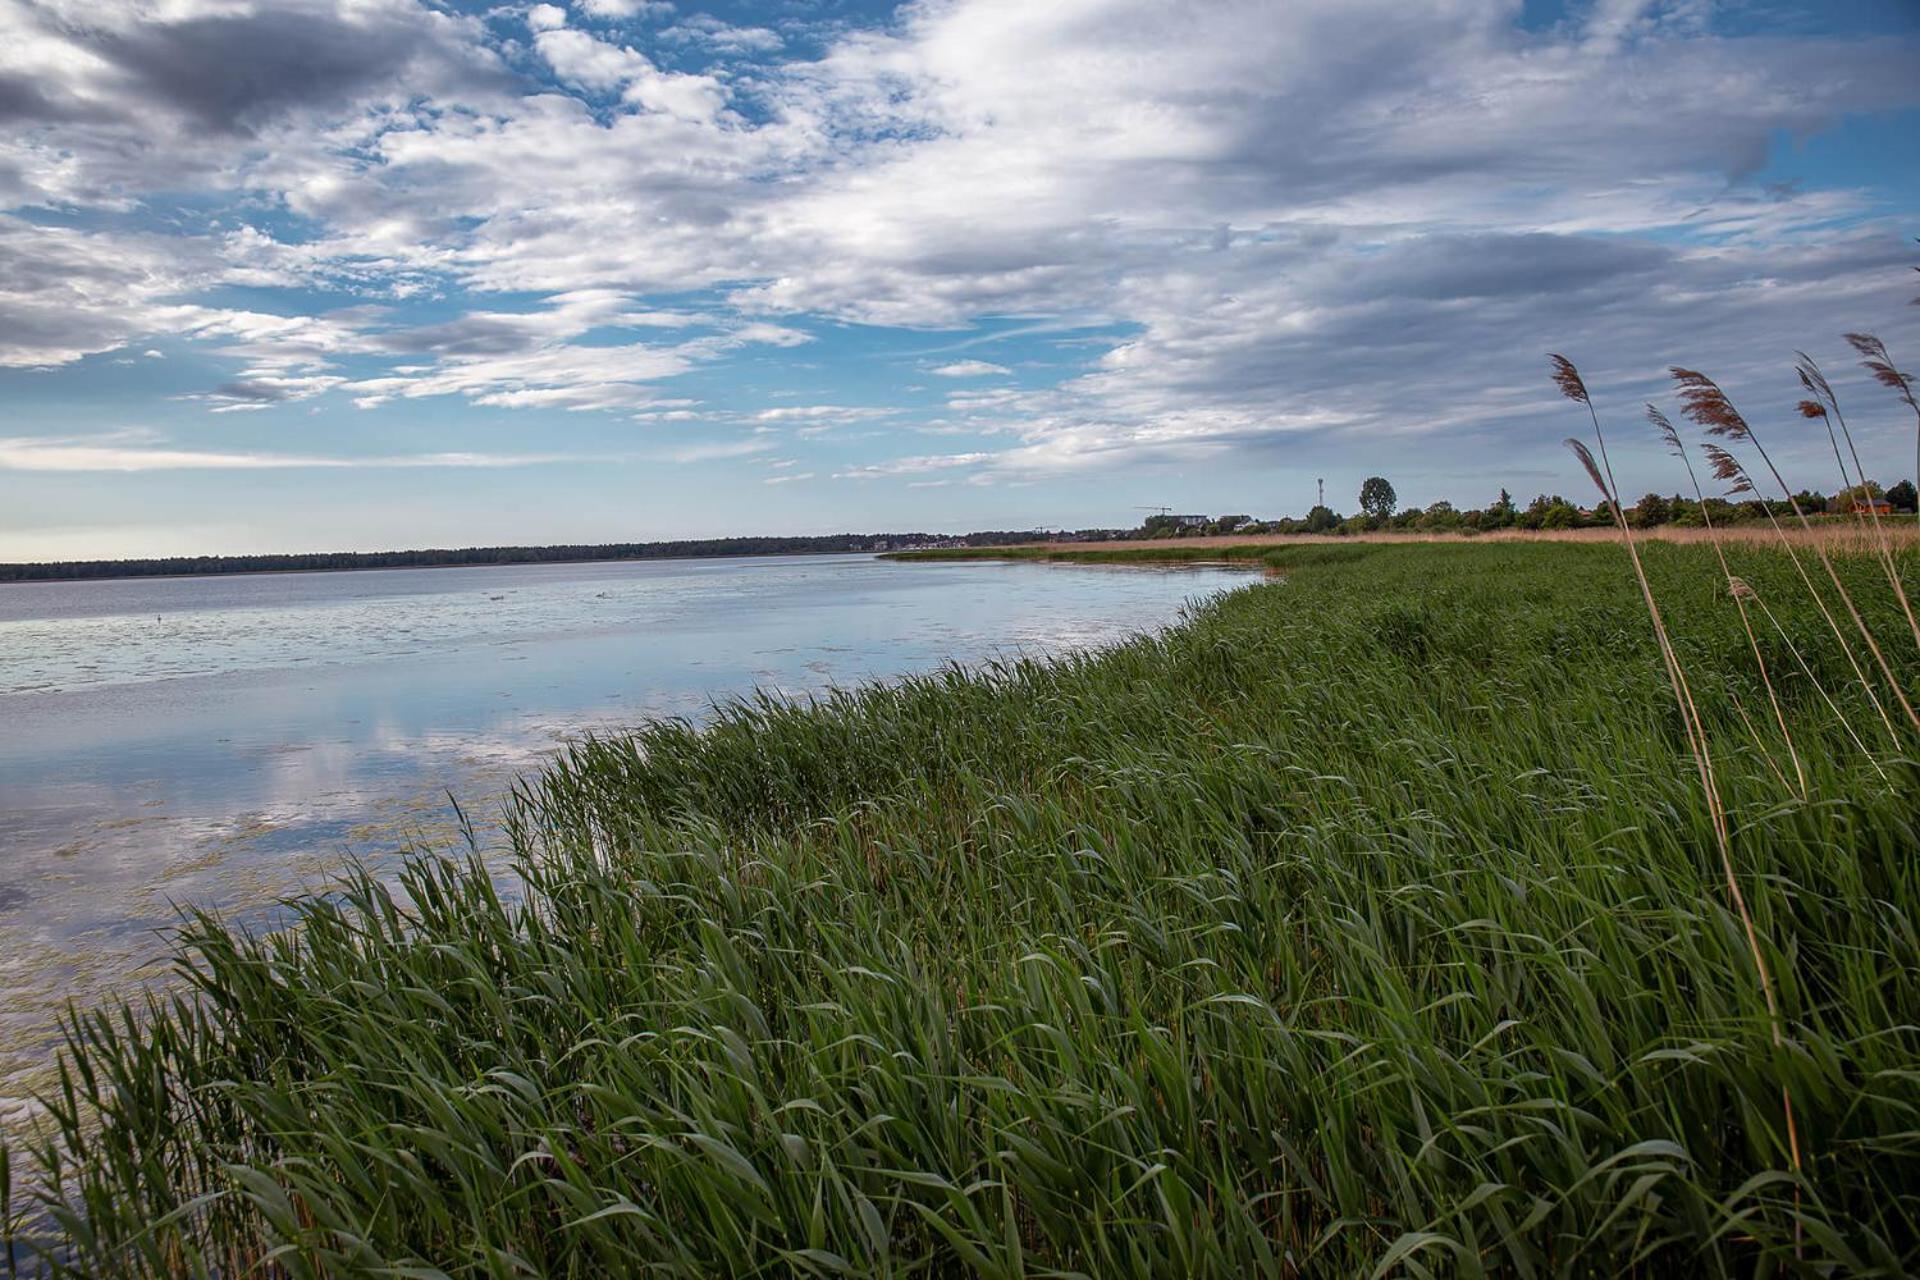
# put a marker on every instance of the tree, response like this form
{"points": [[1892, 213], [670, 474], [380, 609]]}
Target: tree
{"points": [[1377, 498], [1902, 496], [1843, 501], [1650, 511], [1535, 512], [1321, 519]]}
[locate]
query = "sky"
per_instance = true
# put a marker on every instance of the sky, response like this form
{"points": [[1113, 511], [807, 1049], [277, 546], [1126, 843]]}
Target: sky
{"points": [[283, 275]]}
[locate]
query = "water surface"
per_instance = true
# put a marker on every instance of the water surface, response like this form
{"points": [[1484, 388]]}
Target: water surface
{"points": [[224, 741]]}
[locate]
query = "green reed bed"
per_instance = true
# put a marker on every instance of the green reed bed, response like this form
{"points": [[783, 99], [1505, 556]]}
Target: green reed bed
{"points": [[1368, 922]]}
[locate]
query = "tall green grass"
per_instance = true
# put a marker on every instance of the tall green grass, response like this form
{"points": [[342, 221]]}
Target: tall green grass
{"points": [[1366, 923]]}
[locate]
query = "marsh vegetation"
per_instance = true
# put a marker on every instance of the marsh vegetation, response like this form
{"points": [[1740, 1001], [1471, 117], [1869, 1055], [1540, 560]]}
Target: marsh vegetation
{"points": [[1371, 920]]}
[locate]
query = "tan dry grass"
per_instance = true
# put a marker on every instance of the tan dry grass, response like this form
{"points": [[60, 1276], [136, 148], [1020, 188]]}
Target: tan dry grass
{"points": [[1904, 534]]}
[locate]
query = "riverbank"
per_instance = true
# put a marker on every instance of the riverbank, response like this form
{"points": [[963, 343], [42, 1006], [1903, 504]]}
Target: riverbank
{"points": [[1364, 919], [1850, 536]]}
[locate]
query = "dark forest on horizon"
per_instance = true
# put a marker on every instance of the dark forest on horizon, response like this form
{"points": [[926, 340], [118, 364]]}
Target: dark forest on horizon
{"points": [[324, 561]]}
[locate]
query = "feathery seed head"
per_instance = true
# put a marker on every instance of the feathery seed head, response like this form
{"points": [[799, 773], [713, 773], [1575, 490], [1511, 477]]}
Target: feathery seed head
{"points": [[1868, 346], [1702, 400], [1812, 379], [1585, 455], [1664, 425], [1568, 379], [1727, 467], [1875, 360]]}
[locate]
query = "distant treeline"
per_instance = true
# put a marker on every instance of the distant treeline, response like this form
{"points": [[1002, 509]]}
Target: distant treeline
{"points": [[170, 566]]}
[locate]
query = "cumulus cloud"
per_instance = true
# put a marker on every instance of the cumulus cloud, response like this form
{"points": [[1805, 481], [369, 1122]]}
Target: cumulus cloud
{"points": [[107, 101], [66, 294], [588, 62], [620, 9], [723, 37], [1329, 219]]}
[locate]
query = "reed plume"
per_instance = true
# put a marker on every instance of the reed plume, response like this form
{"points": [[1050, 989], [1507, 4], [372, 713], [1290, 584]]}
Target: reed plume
{"points": [[1738, 589], [1703, 401], [1825, 407], [1574, 388], [1568, 379], [1876, 361], [1728, 468]]}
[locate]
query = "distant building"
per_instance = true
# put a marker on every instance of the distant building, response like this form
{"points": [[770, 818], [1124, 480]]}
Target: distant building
{"points": [[1189, 522], [1872, 506]]}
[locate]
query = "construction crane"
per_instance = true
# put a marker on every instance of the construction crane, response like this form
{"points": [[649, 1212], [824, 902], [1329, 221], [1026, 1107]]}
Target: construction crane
{"points": [[1165, 511]]}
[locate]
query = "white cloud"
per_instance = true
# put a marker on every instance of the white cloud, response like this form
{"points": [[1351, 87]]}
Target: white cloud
{"points": [[723, 37], [721, 450], [588, 62], [123, 453], [822, 412], [1335, 217], [66, 294], [581, 59], [257, 389], [971, 369], [112, 99], [915, 466], [621, 9]]}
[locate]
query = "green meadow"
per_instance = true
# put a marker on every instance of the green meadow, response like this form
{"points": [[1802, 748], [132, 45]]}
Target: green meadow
{"points": [[1372, 921]]}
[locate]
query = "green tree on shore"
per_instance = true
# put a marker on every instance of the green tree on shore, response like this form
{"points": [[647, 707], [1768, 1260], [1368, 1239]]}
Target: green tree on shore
{"points": [[1651, 510], [1377, 498]]}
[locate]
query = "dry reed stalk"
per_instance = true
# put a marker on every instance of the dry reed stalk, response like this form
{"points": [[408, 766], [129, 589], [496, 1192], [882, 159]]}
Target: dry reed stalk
{"points": [[1571, 385], [1708, 405], [1839, 536], [1665, 427], [1753, 731], [1567, 377], [1744, 590], [1875, 359], [1729, 468], [1825, 406]]}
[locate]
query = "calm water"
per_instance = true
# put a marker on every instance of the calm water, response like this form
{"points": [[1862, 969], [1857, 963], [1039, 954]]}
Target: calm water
{"points": [[223, 741]]}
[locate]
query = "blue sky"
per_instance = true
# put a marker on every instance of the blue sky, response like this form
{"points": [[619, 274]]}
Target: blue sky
{"points": [[373, 273]]}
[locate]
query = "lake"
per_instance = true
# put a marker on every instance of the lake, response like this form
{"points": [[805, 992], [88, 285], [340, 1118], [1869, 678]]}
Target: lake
{"points": [[225, 741]]}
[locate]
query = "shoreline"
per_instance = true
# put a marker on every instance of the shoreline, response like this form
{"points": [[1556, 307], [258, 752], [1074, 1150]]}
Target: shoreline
{"points": [[1902, 534], [390, 568]]}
